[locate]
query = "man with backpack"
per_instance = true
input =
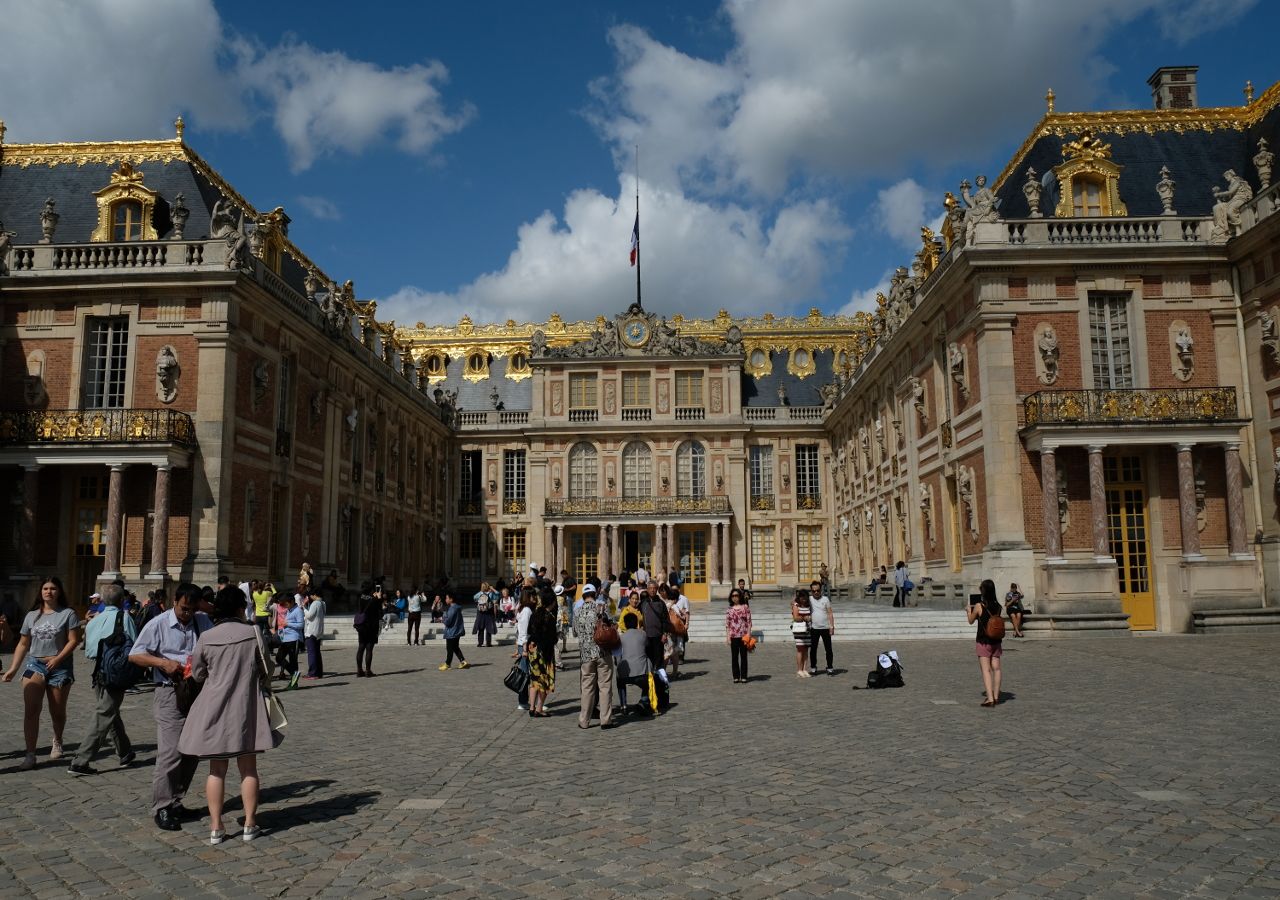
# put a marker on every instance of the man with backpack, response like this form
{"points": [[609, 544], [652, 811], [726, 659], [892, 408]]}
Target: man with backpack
{"points": [[100, 643], [657, 622]]}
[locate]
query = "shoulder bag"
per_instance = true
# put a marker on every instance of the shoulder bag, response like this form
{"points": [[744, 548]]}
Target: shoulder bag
{"points": [[276, 717], [518, 678], [606, 635], [185, 688]]}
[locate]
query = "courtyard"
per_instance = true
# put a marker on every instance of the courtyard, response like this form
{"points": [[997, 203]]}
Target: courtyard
{"points": [[1115, 767]]}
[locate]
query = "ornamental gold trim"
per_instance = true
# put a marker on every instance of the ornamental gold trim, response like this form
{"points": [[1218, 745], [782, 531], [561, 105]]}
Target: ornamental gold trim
{"points": [[126, 186]]}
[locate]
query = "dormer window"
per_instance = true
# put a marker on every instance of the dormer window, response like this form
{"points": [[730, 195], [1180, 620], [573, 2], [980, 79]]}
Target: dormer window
{"points": [[1086, 196], [126, 221]]}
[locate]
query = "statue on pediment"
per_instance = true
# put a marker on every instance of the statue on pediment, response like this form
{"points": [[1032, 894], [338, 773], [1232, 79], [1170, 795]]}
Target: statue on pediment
{"points": [[980, 206], [1231, 200]]}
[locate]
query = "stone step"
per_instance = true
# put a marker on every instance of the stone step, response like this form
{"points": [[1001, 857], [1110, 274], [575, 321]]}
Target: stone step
{"points": [[1234, 621]]}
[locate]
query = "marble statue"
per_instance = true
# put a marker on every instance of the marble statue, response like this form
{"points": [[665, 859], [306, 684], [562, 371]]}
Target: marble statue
{"points": [[178, 214], [956, 365], [167, 374], [1031, 189], [538, 344], [34, 392], [1231, 200], [829, 392], [316, 404], [1262, 161], [782, 395], [864, 441], [311, 283], [495, 399], [224, 224], [48, 222], [954, 219], [6, 248], [964, 488], [1277, 469], [1047, 347], [980, 207], [878, 425], [917, 400], [1270, 334], [351, 419], [884, 511], [1183, 345], [261, 380], [1164, 190], [926, 510], [844, 524]]}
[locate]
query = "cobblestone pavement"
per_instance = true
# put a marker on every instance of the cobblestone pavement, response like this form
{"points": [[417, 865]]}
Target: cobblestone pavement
{"points": [[1116, 767]]}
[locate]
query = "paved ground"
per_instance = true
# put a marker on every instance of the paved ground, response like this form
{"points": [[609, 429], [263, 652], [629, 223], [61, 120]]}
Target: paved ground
{"points": [[1116, 767]]}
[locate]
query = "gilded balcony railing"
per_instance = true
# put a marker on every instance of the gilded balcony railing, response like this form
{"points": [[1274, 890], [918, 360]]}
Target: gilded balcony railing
{"points": [[638, 506], [762, 501], [1211, 404], [97, 426], [515, 506]]}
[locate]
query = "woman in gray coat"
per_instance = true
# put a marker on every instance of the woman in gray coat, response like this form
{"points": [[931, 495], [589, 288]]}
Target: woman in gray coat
{"points": [[229, 718]]}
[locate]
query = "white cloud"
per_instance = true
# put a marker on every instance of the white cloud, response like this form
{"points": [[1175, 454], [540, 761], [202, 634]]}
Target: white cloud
{"points": [[900, 210], [695, 259], [320, 207], [79, 65], [865, 301]]}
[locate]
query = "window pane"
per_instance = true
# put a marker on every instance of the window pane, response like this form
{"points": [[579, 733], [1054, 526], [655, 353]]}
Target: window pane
{"points": [[582, 392], [761, 471], [107, 363], [691, 468], [582, 471], [513, 475], [637, 470], [688, 389], [635, 389], [1109, 341]]}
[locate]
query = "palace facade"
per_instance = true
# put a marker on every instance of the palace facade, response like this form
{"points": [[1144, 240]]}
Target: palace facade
{"points": [[1075, 387]]}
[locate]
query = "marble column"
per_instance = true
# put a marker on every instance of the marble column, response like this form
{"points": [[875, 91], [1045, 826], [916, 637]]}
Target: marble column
{"points": [[562, 559], [549, 549], [1098, 505], [713, 557], [160, 525], [658, 563], [602, 557], [30, 501], [726, 549], [1236, 538], [1187, 502], [1052, 522], [619, 548], [115, 508]]}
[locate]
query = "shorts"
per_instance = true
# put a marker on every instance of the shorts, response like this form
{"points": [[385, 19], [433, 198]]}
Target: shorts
{"points": [[63, 676], [990, 651]]}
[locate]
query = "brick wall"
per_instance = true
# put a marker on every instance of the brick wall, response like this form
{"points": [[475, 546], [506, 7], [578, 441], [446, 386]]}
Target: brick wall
{"points": [[1159, 358], [1070, 366]]}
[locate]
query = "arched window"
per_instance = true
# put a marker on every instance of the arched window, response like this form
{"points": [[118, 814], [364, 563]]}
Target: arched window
{"points": [[582, 471], [637, 470], [126, 220], [691, 470]]}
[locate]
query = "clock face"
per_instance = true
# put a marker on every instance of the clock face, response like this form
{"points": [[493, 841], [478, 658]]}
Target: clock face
{"points": [[636, 333]]}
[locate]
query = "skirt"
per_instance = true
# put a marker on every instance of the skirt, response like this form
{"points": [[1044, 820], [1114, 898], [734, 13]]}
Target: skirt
{"points": [[542, 669]]}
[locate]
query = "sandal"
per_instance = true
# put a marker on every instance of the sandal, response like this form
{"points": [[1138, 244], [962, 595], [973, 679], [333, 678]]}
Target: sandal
{"points": [[988, 703]]}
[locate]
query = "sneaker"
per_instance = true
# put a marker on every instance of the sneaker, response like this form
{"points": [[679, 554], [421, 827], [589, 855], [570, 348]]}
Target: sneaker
{"points": [[293, 682], [831, 671], [217, 837], [520, 707], [128, 759], [444, 667], [465, 664], [78, 769], [250, 832], [55, 752]]}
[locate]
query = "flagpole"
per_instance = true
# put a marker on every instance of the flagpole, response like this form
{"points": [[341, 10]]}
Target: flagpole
{"points": [[639, 305]]}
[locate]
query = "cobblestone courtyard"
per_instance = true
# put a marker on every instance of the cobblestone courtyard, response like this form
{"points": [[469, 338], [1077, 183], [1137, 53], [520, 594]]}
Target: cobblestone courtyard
{"points": [[1115, 768]]}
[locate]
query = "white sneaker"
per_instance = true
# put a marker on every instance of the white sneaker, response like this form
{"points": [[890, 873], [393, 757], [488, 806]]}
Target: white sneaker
{"points": [[521, 707], [250, 832], [28, 762], [55, 752]]}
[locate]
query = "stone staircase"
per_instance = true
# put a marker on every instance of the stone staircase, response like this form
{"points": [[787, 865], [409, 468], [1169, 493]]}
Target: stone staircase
{"points": [[340, 630], [854, 622]]}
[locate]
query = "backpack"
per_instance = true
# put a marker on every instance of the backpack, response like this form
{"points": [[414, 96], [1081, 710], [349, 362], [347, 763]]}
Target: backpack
{"points": [[887, 673], [994, 629], [114, 669]]}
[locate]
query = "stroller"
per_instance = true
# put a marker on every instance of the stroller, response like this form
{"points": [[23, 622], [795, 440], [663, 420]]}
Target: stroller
{"points": [[887, 673]]}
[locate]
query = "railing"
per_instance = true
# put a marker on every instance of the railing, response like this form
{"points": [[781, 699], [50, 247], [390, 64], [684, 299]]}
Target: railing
{"points": [[782, 413], [759, 413], [467, 417], [484, 418], [690, 413], [584, 415], [805, 413], [762, 501], [513, 417], [638, 506], [471, 506], [637, 414], [1212, 404], [808, 501], [515, 507], [1108, 230], [97, 426]]}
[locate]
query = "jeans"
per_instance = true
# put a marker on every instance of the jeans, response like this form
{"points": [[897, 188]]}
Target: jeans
{"points": [[411, 631], [453, 649], [315, 663], [364, 656], [814, 635], [738, 658], [287, 657]]}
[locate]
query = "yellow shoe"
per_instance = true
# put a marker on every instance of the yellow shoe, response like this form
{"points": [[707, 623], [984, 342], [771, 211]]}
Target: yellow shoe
{"points": [[444, 667], [465, 665]]}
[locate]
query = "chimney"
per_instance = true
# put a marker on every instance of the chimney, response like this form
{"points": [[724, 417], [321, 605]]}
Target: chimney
{"points": [[1174, 87]]}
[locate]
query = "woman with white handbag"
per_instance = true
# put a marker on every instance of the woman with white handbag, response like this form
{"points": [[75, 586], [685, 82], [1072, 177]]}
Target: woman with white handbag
{"points": [[801, 616]]}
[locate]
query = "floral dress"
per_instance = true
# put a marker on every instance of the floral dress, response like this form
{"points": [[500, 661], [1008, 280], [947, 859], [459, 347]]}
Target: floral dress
{"points": [[541, 650]]}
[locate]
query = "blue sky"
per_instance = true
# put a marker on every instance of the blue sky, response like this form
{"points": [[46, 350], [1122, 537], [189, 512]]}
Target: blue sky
{"points": [[477, 157]]}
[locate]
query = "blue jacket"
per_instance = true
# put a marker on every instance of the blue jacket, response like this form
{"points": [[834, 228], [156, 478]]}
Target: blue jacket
{"points": [[454, 627], [293, 628]]}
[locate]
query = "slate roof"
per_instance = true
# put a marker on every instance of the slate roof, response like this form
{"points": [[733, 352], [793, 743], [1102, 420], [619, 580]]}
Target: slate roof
{"points": [[473, 396], [763, 391]]}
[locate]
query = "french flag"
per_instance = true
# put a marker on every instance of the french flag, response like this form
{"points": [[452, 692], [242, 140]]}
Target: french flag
{"points": [[635, 240]]}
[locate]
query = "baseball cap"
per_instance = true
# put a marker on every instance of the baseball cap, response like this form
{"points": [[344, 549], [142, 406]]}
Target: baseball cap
{"points": [[95, 596], [588, 589], [558, 589], [533, 567]]}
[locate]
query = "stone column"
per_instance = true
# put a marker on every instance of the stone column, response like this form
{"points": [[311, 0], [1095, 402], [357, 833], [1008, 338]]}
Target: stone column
{"points": [[713, 557], [602, 558], [1187, 503], [1098, 505], [115, 503], [1237, 541], [160, 525], [30, 501], [562, 561], [658, 562], [549, 549], [1052, 523], [726, 549], [619, 537]]}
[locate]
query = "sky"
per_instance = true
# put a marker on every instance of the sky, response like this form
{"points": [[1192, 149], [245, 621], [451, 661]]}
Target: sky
{"points": [[479, 158]]}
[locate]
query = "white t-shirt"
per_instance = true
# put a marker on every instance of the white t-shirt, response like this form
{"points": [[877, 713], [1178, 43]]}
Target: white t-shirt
{"points": [[522, 626], [820, 607]]}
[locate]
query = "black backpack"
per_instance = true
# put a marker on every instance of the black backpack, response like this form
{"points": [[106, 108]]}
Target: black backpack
{"points": [[114, 669], [886, 676]]}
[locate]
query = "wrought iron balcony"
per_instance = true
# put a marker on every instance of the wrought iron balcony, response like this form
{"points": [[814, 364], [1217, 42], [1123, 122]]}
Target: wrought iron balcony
{"points": [[811, 500], [649, 507], [1142, 405], [762, 501], [471, 504], [97, 426], [515, 506]]}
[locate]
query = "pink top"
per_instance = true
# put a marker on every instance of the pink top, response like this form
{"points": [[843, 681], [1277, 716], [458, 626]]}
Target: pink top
{"points": [[738, 620]]}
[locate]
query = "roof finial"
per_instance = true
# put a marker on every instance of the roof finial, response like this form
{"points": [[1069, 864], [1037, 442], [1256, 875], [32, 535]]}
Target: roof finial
{"points": [[179, 126], [1048, 99], [1, 131], [1248, 92]]}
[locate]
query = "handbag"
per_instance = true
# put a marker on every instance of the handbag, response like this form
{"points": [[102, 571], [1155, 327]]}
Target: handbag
{"points": [[799, 628], [678, 628], [749, 641], [518, 678], [276, 717], [606, 635], [185, 688]]}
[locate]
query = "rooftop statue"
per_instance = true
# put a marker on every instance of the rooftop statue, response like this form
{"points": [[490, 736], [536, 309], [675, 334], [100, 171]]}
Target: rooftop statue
{"points": [[1226, 212]]}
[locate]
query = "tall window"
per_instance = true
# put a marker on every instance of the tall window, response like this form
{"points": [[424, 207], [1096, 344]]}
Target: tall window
{"points": [[515, 551], [808, 485], [583, 471], [1086, 196], [1109, 341], [763, 550], [635, 390], [513, 480], [108, 363], [470, 496], [582, 391], [691, 470], [284, 405], [469, 554], [637, 470], [688, 389], [126, 221], [762, 477]]}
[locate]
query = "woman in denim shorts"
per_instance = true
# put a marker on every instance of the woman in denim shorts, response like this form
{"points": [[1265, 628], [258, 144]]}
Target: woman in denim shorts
{"points": [[50, 636]]}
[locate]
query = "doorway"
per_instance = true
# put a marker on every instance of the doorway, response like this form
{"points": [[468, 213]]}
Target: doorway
{"points": [[1130, 542], [691, 550], [89, 540], [637, 550]]}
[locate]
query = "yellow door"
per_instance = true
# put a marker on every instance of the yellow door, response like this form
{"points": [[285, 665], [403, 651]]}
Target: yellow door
{"points": [[692, 547], [1127, 528], [584, 555], [89, 543]]}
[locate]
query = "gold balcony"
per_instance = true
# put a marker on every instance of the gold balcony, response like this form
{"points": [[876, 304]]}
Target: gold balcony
{"points": [[648, 507], [97, 426], [1133, 405]]}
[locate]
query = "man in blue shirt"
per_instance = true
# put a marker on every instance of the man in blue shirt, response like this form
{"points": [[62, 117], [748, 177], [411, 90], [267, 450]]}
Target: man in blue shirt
{"points": [[165, 644], [106, 716]]}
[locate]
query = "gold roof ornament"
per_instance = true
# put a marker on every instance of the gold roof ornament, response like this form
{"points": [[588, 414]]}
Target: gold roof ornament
{"points": [[125, 186], [1088, 171], [928, 255], [1086, 147], [1048, 99], [1248, 93], [179, 126]]}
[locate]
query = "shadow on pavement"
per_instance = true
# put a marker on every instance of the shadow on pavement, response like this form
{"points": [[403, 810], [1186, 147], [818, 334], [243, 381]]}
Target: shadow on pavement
{"points": [[316, 810]]}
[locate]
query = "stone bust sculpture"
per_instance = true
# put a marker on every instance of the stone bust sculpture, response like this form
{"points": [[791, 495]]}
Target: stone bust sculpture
{"points": [[167, 373]]}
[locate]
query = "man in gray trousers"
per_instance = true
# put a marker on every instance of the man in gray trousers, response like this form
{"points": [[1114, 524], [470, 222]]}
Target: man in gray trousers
{"points": [[106, 716], [165, 644]]}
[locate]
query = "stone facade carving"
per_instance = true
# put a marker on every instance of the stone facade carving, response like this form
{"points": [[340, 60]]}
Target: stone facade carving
{"points": [[1181, 346], [178, 214], [664, 396], [1262, 161], [965, 481], [6, 248], [610, 397], [980, 207], [878, 425], [1031, 189], [918, 400], [926, 512], [1230, 201], [1270, 333], [957, 366], [864, 442], [223, 223], [48, 222], [168, 371], [1276, 468], [716, 391], [1046, 353], [1164, 190], [883, 509], [261, 381]]}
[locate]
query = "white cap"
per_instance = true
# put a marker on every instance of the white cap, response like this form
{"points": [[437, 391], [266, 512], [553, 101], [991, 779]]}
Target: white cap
{"points": [[587, 589], [95, 596], [533, 567], [884, 661], [558, 589], [893, 655]]}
